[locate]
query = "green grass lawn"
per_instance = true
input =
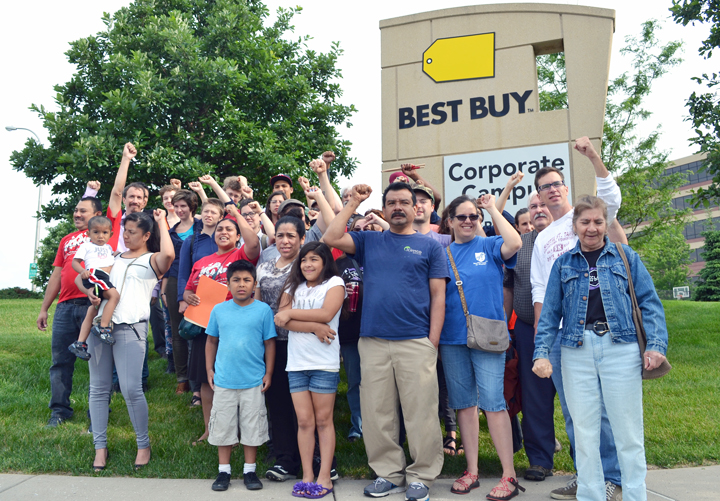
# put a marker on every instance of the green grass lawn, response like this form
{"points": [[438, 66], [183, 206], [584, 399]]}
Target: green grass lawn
{"points": [[681, 418]]}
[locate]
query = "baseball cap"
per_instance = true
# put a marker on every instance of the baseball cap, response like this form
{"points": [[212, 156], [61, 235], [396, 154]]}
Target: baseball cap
{"points": [[280, 177], [424, 189]]}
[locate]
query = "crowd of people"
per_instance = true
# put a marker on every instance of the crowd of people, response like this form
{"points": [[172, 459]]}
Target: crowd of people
{"points": [[392, 294]]}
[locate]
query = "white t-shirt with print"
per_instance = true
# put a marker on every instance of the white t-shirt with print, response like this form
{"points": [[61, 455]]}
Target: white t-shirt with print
{"points": [[95, 256], [305, 351]]}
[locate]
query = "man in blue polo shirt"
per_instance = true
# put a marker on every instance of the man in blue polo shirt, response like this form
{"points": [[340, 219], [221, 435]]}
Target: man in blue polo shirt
{"points": [[403, 312]]}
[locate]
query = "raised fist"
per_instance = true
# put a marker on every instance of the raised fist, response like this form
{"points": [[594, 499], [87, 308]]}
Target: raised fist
{"points": [[304, 183], [159, 215], [195, 186], [486, 201], [175, 183], [206, 179], [246, 191], [328, 157], [318, 166], [313, 193], [129, 151], [243, 181], [361, 192], [584, 146], [515, 179], [255, 206], [94, 185]]}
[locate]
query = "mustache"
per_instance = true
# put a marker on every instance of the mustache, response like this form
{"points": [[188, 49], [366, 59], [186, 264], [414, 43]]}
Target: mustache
{"points": [[539, 214]]}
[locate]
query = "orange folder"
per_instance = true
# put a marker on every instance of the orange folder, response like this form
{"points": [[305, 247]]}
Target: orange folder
{"points": [[211, 293]]}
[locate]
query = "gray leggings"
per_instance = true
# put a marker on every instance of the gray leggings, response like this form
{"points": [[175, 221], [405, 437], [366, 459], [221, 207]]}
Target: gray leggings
{"points": [[128, 354]]}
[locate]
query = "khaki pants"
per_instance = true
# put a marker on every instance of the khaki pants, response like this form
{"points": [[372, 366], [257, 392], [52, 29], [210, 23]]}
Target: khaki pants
{"points": [[394, 374]]}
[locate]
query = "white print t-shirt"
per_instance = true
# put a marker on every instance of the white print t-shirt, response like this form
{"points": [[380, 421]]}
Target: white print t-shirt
{"points": [[95, 256], [305, 351]]}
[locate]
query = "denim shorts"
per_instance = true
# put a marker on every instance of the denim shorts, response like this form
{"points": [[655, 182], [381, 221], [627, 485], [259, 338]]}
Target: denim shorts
{"points": [[316, 381], [474, 377]]}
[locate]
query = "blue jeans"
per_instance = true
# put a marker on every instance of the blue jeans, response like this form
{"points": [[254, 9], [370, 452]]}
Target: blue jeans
{"points": [[351, 360], [66, 324], [605, 374], [608, 453]]}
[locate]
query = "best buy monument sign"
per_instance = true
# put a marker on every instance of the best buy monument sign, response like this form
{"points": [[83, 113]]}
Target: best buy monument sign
{"points": [[460, 94]]}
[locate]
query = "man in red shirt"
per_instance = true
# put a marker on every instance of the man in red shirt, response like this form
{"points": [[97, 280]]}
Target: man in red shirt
{"points": [[69, 314]]}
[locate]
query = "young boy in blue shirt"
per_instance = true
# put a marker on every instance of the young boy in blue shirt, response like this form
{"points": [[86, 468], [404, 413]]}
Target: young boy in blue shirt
{"points": [[240, 358]]}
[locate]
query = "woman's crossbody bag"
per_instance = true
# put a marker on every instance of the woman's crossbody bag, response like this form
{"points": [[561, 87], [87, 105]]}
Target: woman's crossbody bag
{"points": [[664, 367], [482, 333]]}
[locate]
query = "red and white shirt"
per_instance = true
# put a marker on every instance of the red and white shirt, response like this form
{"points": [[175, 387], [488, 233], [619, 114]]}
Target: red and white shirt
{"points": [[215, 266]]}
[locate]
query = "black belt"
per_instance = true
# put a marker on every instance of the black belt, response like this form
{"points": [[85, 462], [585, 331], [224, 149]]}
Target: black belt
{"points": [[80, 301], [599, 328]]}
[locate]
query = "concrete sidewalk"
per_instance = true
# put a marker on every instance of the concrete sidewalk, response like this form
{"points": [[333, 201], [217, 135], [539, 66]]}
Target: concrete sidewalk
{"points": [[681, 484]]}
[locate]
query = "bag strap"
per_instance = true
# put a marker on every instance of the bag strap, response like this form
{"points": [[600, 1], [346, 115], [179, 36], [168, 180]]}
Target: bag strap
{"points": [[458, 282], [642, 339], [357, 268], [122, 285]]}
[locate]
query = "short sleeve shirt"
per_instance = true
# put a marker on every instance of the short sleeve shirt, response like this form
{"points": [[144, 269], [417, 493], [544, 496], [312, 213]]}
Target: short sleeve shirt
{"points": [[63, 260], [480, 266], [397, 272], [95, 256], [215, 266], [241, 332]]}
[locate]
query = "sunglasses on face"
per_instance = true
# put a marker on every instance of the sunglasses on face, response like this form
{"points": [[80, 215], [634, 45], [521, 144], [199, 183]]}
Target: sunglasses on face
{"points": [[462, 217], [546, 187]]}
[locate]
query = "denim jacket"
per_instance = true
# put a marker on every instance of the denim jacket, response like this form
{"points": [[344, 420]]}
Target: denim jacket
{"points": [[566, 298]]}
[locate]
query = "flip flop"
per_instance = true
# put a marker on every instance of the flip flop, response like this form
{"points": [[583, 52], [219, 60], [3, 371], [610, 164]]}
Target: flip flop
{"points": [[299, 489], [317, 491]]}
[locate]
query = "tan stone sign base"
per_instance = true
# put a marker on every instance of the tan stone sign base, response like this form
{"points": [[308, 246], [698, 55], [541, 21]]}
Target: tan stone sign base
{"points": [[492, 114]]}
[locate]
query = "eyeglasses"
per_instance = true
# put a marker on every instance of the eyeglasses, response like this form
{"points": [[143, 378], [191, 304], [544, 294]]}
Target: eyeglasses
{"points": [[546, 187], [462, 217], [248, 215]]}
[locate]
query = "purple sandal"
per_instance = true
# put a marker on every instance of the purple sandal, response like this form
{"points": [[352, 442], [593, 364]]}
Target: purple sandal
{"points": [[299, 489], [316, 491]]}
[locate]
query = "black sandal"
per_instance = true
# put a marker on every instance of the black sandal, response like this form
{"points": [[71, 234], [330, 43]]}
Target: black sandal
{"points": [[196, 401], [98, 469], [449, 444]]}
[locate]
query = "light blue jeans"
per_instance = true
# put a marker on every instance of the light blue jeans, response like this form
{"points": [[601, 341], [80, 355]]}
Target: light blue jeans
{"points": [[602, 372], [608, 454]]}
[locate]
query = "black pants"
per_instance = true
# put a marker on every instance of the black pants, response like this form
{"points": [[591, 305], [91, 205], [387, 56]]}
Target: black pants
{"points": [[282, 414], [538, 401]]}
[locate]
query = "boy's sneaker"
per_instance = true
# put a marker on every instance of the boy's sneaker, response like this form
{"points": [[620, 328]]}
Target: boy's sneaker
{"points": [[252, 482], [333, 471], [222, 482], [278, 474], [381, 488], [612, 492], [567, 492], [334, 474], [79, 349], [417, 491], [104, 333]]}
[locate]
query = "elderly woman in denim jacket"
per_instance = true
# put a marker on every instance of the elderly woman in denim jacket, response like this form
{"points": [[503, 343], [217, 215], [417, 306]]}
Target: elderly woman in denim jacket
{"points": [[588, 290]]}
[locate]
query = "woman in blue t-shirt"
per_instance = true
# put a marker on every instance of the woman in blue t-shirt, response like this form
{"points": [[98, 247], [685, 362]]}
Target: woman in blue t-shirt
{"points": [[474, 377]]}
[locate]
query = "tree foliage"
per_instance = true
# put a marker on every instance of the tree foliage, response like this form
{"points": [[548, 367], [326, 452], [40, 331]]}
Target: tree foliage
{"points": [[666, 255], [200, 87], [704, 107], [708, 288]]}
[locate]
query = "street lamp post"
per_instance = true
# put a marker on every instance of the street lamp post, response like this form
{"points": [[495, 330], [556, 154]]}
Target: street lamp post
{"points": [[39, 206]]}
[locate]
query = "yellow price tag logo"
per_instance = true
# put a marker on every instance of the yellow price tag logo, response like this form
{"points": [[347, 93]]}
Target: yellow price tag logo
{"points": [[460, 58]]}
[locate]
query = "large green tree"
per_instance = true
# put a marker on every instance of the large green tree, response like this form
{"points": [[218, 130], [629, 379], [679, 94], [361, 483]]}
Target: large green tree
{"points": [[704, 107], [200, 87]]}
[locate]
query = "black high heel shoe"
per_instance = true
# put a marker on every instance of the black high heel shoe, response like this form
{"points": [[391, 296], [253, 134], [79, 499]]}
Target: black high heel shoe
{"points": [[98, 469], [139, 467]]}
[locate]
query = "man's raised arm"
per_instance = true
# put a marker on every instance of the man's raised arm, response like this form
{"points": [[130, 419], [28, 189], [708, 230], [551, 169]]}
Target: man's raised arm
{"points": [[607, 188], [116, 195], [335, 236]]}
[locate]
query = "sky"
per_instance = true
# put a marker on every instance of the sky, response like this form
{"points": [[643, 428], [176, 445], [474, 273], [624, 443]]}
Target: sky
{"points": [[35, 36]]}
